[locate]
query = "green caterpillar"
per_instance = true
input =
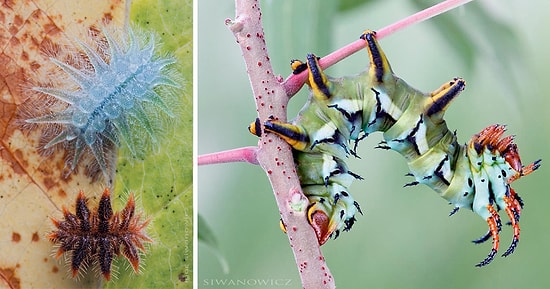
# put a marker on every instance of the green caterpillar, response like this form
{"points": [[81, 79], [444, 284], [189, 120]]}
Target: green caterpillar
{"points": [[476, 175]]}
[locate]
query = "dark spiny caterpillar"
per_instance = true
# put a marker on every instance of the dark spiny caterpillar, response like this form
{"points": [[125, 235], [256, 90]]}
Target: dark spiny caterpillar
{"points": [[97, 236], [476, 175]]}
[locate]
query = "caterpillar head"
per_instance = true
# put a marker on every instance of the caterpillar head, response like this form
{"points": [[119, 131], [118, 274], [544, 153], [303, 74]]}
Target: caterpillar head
{"points": [[320, 223]]}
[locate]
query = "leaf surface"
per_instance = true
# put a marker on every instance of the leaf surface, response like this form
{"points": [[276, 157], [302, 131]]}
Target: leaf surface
{"points": [[32, 188]]}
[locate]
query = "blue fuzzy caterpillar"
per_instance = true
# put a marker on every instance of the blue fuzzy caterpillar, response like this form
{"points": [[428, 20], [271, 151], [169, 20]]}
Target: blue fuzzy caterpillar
{"points": [[120, 94]]}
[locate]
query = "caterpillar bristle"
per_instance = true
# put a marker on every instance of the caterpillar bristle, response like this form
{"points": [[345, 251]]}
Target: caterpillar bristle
{"points": [[454, 211], [483, 238], [382, 145], [411, 184]]}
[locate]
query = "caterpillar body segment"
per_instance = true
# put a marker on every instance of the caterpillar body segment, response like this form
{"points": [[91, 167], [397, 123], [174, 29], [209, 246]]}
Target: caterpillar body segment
{"points": [[341, 111]]}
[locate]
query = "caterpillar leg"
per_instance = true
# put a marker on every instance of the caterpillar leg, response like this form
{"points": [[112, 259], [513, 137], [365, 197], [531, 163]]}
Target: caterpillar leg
{"points": [[255, 128], [443, 96], [317, 79], [327, 135], [297, 66], [292, 134], [379, 69]]}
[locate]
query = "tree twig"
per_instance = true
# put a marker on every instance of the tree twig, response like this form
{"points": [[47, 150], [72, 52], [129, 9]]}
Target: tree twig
{"points": [[273, 154]]}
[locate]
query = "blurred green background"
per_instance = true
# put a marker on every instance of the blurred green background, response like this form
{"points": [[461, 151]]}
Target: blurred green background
{"points": [[405, 238]]}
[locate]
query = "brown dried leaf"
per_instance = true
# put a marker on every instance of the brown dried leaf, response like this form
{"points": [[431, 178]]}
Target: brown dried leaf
{"points": [[31, 186]]}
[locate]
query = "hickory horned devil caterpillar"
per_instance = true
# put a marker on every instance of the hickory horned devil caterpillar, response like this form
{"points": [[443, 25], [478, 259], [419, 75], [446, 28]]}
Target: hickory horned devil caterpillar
{"points": [[476, 175]]}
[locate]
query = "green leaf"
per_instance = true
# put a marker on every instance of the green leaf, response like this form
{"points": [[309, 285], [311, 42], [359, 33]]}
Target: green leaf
{"points": [[207, 236], [163, 181]]}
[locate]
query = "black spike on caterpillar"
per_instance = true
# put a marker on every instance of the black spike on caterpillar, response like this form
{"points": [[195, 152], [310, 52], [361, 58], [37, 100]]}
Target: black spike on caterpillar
{"points": [[476, 175]]}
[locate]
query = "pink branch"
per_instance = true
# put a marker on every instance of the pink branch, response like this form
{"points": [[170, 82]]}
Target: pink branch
{"points": [[246, 154], [295, 81]]}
